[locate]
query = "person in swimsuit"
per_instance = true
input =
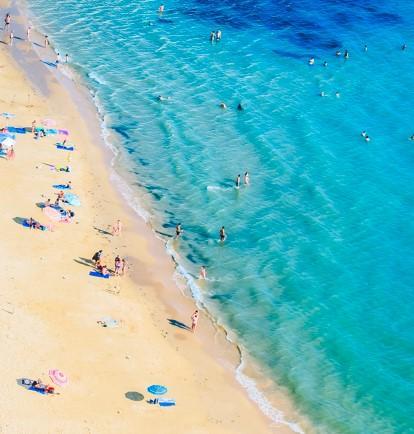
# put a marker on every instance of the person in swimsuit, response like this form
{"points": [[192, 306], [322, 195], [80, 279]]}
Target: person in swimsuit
{"points": [[117, 228], [66, 58], [194, 320], [161, 9], [118, 266], [124, 267], [178, 231], [28, 31], [346, 54], [218, 35], [97, 257], [212, 36], [203, 273], [7, 21], [246, 178], [237, 182], [222, 234], [46, 41], [240, 107]]}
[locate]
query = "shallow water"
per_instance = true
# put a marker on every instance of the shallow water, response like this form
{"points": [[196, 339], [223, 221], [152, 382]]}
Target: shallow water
{"points": [[316, 275]]}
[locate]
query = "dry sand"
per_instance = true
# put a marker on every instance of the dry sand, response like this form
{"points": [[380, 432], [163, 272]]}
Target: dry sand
{"points": [[49, 305]]}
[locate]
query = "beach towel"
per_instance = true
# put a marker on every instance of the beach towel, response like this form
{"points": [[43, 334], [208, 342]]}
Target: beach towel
{"points": [[72, 199], [51, 131], [61, 186], [16, 130], [64, 132], [65, 148], [98, 274], [166, 402], [35, 389]]}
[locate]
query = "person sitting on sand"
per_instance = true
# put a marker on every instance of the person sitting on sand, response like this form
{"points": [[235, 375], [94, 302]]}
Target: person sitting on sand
{"points": [[104, 270], [31, 223], [97, 257]]}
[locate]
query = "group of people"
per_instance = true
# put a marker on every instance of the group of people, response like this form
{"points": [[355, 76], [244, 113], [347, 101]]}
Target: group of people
{"points": [[215, 35], [120, 265]]}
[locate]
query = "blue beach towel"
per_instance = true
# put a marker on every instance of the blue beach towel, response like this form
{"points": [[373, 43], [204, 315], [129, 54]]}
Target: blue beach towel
{"points": [[16, 130], [166, 402], [61, 186], [65, 148], [35, 389], [98, 274]]}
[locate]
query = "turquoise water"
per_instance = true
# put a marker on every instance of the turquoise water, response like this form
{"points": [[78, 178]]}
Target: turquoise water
{"points": [[316, 274]]}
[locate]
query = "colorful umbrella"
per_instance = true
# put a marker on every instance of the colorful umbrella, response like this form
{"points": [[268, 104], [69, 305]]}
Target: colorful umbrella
{"points": [[58, 377], [7, 142], [157, 389], [72, 199], [52, 214]]}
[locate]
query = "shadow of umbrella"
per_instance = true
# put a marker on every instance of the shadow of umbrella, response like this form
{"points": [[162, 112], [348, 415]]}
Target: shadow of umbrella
{"points": [[134, 396]]}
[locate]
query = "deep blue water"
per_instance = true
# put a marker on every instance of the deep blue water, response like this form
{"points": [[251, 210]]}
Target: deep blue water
{"points": [[316, 276]]}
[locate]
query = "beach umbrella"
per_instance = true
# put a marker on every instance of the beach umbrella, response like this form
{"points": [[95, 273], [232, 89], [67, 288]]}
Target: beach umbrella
{"points": [[157, 389], [8, 142], [58, 377], [72, 199], [48, 123], [52, 214]]}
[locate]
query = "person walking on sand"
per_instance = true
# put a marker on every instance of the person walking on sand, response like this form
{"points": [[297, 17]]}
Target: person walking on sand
{"points": [[246, 178], [194, 320], [178, 231], [10, 153], [11, 38], [124, 267], [66, 58], [33, 126], [28, 31], [222, 234], [117, 228], [46, 41], [97, 257], [58, 59], [203, 273], [118, 266]]}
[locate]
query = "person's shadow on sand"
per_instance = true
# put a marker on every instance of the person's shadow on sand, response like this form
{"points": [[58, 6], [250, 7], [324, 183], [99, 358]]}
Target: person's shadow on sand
{"points": [[85, 261], [178, 324]]}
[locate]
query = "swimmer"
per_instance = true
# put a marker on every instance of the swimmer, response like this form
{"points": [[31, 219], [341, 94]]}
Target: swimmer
{"points": [[411, 137], [337, 53], [403, 46], [346, 54], [161, 9], [311, 61], [363, 133], [163, 98], [223, 105], [246, 178], [365, 48], [66, 58], [222, 234], [203, 273], [322, 94], [325, 64], [240, 107], [212, 36], [238, 182], [178, 231], [367, 139], [337, 94], [218, 35]]}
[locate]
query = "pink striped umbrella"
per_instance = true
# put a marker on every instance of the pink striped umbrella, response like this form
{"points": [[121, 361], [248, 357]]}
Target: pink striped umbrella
{"points": [[58, 377], [52, 214]]}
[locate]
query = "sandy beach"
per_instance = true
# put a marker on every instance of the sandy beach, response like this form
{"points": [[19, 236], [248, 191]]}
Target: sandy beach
{"points": [[50, 306]]}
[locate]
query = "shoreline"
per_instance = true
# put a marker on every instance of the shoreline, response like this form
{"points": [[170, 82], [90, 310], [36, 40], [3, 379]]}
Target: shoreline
{"points": [[158, 251]]}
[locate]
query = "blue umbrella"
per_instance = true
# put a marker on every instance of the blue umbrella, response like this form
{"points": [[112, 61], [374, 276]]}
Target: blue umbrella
{"points": [[72, 199], [157, 389]]}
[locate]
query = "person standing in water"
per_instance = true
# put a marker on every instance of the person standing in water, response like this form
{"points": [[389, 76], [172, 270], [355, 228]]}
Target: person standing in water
{"points": [[66, 58], [203, 273], [7, 21], [218, 35], [194, 320], [240, 107], [237, 182], [178, 231], [212, 36], [161, 9], [29, 29], [346, 54], [222, 234], [246, 178]]}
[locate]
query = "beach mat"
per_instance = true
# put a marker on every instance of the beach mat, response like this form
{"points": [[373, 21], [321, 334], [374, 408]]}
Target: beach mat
{"points": [[61, 187], [16, 130], [98, 274], [65, 148]]}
